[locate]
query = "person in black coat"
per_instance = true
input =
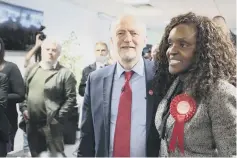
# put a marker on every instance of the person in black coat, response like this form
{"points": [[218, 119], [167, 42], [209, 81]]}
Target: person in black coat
{"points": [[16, 91], [4, 125], [85, 73], [101, 54]]}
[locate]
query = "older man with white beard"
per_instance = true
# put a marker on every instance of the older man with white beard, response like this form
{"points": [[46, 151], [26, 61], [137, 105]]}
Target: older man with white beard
{"points": [[119, 103], [50, 96]]}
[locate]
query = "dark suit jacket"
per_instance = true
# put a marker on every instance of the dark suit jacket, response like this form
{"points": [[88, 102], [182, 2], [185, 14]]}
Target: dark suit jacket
{"points": [[95, 125], [85, 73]]}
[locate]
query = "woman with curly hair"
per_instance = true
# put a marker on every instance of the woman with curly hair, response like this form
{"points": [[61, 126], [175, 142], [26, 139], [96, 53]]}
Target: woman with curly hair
{"points": [[196, 76]]}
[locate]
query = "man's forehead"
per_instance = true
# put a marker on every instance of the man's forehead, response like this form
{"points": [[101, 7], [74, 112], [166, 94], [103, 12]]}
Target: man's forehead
{"points": [[129, 27], [51, 41], [129, 23]]}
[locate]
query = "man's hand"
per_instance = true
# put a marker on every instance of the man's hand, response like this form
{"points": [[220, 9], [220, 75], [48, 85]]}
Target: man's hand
{"points": [[38, 42], [26, 115]]}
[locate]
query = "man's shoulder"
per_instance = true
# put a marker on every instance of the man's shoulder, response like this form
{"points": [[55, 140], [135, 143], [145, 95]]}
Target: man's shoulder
{"points": [[149, 62], [30, 67], [150, 66], [90, 67], [101, 73], [65, 71]]}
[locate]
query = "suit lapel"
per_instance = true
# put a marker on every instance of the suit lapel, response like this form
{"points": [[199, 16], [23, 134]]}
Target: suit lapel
{"points": [[93, 66], [149, 74], [107, 94]]}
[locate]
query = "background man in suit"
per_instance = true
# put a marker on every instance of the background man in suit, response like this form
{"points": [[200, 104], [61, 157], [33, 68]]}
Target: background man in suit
{"points": [[101, 55], [118, 108], [220, 22]]}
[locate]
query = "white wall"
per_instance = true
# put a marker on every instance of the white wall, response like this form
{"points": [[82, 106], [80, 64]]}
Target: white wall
{"points": [[62, 17], [154, 36]]}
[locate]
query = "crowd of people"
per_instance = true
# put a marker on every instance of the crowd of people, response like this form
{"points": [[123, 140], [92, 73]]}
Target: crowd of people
{"points": [[176, 99]]}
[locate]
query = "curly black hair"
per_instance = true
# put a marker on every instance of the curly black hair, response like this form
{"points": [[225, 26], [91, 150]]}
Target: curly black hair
{"points": [[214, 57]]}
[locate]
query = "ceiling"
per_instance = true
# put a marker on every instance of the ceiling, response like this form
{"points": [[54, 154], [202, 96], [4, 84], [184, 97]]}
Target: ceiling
{"points": [[157, 13]]}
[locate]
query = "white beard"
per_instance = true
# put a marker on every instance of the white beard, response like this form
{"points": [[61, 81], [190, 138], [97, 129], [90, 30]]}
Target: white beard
{"points": [[101, 59]]}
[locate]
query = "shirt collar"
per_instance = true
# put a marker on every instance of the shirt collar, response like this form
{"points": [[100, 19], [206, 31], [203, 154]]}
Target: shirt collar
{"points": [[138, 68], [99, 65], [54, 65]]}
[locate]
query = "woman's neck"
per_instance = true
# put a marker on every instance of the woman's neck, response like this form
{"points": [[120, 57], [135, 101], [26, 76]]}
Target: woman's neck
{"points": [[183, 76]]}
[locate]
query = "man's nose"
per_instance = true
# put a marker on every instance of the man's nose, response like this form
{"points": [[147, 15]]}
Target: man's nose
{"points": [[101, 53], [128, 37], [50, 52]]}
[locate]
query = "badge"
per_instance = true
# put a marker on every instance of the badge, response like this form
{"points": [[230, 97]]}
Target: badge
{"points": [[182, 109], [150, 92]]}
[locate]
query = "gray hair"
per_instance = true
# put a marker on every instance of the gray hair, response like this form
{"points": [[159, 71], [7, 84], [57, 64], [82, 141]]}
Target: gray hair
{"points": [[138, 21], [102, 43], [51, 40]]}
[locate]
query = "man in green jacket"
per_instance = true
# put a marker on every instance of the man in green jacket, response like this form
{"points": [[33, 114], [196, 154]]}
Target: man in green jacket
{"points": [[50, 96]]}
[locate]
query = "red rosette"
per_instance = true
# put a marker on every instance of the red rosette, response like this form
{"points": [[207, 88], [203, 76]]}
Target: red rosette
{"points": [[183, 98], [182, 109]]}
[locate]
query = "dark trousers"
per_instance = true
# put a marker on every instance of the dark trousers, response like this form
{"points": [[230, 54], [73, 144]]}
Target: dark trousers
{"points": [[3, 149], [42, 137], [12, 135], [13, 119]]}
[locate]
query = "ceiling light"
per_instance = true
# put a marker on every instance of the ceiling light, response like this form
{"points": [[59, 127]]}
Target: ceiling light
{"points": [[134, 2], [105, 16], [143, 11]]}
